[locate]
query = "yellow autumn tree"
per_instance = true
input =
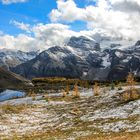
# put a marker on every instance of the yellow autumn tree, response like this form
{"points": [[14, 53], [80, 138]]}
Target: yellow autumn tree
{"points": [[76, 93], [131, 92], [67, 89], [64, 94], [96, 89], [130, 82]]}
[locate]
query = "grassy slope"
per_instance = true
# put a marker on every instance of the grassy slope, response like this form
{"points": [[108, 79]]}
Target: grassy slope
{"points": [[11, 80]]}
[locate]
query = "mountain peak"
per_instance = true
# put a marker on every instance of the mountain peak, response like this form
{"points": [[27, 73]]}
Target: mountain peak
{"points": [[84, 43], [137, 43]]}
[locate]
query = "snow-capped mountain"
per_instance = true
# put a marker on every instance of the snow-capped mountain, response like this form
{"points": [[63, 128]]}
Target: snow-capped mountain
{"points": [[11, 58], [85, 58]]}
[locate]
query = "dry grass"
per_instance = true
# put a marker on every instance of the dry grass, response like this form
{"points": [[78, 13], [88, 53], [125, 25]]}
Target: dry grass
{"points": [[75, 110], [31, 93], [46, 98], [8, 109], [51, 135], [114, 136], [58, 98]]}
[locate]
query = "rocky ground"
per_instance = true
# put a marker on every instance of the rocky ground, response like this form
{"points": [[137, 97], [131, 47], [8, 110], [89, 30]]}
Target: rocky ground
{"points": [[52, 116]]}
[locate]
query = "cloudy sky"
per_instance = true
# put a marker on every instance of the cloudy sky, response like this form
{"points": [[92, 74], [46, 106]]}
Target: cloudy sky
{"points": [[38, 24]]}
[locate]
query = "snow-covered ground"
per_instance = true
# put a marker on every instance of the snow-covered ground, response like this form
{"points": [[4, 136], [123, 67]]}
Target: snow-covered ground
{"points": [[87, 115]]}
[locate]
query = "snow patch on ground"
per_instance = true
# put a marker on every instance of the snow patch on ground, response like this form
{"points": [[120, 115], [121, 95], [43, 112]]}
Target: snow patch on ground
{"points": [[104, 113]]}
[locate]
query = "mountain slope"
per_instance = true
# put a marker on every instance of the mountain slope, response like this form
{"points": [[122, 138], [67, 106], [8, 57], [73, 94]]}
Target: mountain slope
{"points": [[56, 61], [10, 58], [83, 58], [10, 80]]}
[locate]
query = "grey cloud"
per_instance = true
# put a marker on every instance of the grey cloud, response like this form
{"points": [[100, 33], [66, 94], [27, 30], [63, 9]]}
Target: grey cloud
{"points": [[127, 6]]}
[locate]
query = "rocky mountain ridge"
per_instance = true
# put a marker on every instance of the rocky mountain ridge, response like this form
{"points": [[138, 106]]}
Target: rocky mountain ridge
{"points": [[83, 58], [11, 58]]}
